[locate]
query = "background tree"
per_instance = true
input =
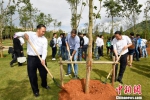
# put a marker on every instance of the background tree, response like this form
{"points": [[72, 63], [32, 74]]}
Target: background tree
{"points": [[75, 19], [27, 14], [147, 17], [113, 9], [131, 9], [3, 13]]}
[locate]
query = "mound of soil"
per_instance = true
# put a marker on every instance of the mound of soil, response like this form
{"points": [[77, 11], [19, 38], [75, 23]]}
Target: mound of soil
{"points": [[98, 91]]}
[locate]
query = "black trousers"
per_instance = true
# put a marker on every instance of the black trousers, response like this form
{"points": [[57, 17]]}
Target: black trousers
{"points": [[33, 63], [16, 54], [84, 49], [123, 63], [54, 51], [102, 50], [99, 51]]}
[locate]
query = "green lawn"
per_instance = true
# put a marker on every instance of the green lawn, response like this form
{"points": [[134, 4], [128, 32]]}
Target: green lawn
{"points": [[14, 82]]}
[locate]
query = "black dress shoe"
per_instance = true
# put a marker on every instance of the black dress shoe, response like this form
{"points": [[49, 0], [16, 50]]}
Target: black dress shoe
{"points": [[46, 87], [36, 94], [11, 65], [119, 81]]}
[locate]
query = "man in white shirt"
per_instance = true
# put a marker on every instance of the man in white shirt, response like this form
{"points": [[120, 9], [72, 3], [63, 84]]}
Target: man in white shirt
{"points": [[121, 43], [102, 37], [99, 43], [96, 47], [22, 42], [85, 46], [143, 45], [33, 62], [54, 48], [59, 42]]}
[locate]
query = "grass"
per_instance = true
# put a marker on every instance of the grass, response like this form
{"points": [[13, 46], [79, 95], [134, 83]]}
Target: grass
{"points": [[14, 82]]}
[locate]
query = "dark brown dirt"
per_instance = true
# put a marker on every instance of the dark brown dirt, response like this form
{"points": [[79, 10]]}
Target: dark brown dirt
{"points": [[98, 91]]}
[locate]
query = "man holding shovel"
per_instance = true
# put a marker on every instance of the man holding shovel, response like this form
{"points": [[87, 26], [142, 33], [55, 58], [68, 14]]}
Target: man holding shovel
{"points": [[33, 62], [72, 44], [121, 43]]}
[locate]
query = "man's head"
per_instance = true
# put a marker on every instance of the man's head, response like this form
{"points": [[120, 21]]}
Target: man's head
{"points": [[137, 35], [101, 36], [41, 29], [118, 35], [61, 35], [73, 33], [80, 34], [131, 34], [97, 36], [54, 35]]}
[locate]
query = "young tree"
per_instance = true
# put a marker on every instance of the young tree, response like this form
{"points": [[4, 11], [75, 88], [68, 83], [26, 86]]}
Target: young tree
{"points": [[113, 9]]}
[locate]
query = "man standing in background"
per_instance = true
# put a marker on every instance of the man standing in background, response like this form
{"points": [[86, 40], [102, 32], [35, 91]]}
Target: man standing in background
{"points": [[85, 46], [102, 44], [54, 48], [59, 42], [81, 46]]}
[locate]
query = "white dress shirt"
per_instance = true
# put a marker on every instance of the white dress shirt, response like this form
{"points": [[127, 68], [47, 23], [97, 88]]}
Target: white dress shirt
{"points": [[40, 44], [59, 42], [86, 40], [21, 40], [120, 44], [55, 42], [143, 42], [99, 42]]}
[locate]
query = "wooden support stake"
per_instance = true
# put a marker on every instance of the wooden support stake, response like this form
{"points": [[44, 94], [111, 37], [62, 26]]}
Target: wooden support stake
{"points": [[61, 72], [113, 75]]}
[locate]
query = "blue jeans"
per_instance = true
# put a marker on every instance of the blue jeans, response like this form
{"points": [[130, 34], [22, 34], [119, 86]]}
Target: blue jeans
{"points": [[96, 51], [64, 53], [144, 51], [80, 54], [59, 51], [137, 52], [75, 65]]}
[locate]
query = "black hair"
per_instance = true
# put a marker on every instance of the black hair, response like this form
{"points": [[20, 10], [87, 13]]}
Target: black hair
{"points": [[74, 31], [54, 34], [40, 25], [84, 34], [100, 36], [97, 35], [132, 33], [137, 35], [118, 32]]}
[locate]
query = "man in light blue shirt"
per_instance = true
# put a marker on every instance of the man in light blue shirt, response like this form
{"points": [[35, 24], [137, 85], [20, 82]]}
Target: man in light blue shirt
{"points": [[73, 43]]}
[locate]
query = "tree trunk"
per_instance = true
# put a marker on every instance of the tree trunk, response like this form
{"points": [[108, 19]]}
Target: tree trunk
{"points": [[112, 31], [89, 59]]}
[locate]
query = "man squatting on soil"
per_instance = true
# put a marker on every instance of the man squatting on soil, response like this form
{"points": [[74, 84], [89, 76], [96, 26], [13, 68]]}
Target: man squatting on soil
{"points": [[33, 62], [121, 43]]}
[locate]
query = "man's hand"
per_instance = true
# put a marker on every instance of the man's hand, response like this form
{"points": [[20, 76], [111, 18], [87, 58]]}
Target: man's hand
{"points": [[21, 51], [26, 36], [43, 62], [70, 58], [116, 58], [125, 47]]}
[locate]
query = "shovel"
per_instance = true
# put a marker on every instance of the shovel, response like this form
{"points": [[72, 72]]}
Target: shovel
{"points": [[114, 65]]}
